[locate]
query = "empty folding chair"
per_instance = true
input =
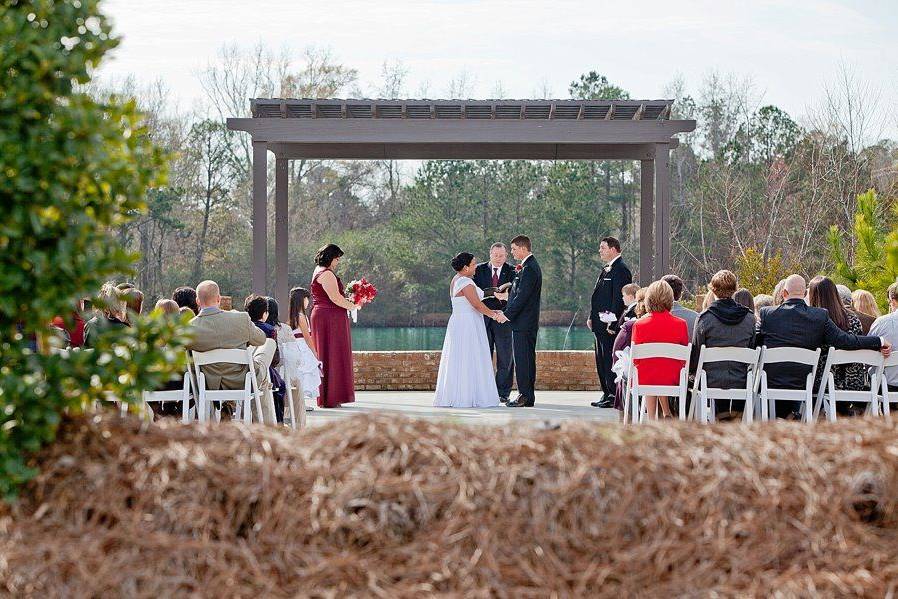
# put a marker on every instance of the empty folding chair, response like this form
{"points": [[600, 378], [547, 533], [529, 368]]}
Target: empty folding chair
{"points": [[634, 404], [242, 397], [177, 395], [703, 406], [769, 395]]}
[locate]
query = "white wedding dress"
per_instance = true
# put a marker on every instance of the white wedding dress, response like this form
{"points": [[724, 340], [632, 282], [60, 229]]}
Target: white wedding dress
{"points": [[465, 378]]}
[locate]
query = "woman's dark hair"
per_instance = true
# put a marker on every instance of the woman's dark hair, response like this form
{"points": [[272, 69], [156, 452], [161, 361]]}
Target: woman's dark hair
{"points": [[326, 255], [298, 296], [743, 296], [272, 312], [256, 306], [185, 297], [822, 293], [461, 260]]}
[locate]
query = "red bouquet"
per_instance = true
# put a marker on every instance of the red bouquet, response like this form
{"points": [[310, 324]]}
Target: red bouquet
{"points": [[361, 291]]}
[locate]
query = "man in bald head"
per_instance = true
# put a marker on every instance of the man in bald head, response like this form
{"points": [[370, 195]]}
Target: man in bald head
{"points": [[796, 324], [214, 328]]}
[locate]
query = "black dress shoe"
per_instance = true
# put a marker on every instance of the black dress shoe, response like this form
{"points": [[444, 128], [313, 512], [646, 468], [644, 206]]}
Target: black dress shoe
{"points": [[520, 402], [503, 399], [602, 403]]}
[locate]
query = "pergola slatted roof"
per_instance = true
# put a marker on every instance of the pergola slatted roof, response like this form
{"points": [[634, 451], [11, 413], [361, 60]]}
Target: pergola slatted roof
{"points": [[335, 108], [380, 129]]}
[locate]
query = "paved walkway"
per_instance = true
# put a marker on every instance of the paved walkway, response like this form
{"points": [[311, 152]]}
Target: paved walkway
{"points": [[550, 406]]}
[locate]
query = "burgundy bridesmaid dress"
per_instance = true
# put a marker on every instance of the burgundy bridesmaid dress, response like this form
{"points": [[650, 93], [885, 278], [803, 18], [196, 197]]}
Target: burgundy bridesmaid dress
{"points": [[331, 325]]}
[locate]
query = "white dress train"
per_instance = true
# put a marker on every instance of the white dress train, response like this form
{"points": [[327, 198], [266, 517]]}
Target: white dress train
{"points": [[466, 378]]}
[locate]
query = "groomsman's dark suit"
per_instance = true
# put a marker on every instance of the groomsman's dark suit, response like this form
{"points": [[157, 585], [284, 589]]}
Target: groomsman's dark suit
{"points": [[523, 313], [498, 334], [606, 297]]}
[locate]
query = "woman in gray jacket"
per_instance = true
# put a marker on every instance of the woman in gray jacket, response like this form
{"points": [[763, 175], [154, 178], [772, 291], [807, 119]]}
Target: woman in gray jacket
{"points": [[724, 324]]}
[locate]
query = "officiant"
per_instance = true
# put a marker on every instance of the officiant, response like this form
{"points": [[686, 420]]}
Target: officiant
{"points": [[491, 276]]}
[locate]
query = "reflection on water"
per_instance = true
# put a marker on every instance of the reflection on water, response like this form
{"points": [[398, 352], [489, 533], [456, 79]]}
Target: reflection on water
{"points": [[430, 338]]}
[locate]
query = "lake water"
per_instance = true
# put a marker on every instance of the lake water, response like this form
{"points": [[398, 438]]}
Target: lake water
{"points": [[430, 338]]}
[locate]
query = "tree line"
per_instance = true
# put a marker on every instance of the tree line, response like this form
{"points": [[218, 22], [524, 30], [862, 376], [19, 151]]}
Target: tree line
{"points": [[752, 188]]}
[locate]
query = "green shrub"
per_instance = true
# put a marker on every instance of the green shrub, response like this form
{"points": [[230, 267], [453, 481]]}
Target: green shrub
{"points": [[71, 166]]}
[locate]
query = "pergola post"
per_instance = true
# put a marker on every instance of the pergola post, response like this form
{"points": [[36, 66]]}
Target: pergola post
{"points": [[281, 284], [260, 217], [662, 209], [646, 221]]}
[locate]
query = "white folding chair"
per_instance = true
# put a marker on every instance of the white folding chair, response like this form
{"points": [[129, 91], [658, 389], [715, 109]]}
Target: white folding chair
{"points": [[703, 406], [769, 396], [296, 422], [634, 403], [177, 395], [887, 396], [242, 397], [828, 395]]}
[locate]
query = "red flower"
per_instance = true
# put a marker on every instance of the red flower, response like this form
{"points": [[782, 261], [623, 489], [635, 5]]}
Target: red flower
{"points": [[362, 292], [518, 267]]}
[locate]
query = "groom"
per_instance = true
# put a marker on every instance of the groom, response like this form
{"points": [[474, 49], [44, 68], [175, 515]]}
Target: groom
{"points": [[522, 312]]}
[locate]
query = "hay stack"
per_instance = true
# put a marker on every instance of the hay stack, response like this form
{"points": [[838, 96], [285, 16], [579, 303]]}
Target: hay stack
{"points": [[399, 508]]}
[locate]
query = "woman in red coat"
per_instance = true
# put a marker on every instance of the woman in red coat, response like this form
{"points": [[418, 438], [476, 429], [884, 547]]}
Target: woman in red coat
{"points": [[659, 326]]}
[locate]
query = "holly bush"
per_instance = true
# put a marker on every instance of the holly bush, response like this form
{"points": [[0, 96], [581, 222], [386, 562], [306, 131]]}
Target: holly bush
{"points": [[72, 168]]}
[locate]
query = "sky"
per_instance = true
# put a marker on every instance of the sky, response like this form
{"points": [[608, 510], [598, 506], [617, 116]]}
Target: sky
{"points": [[789, 49]]}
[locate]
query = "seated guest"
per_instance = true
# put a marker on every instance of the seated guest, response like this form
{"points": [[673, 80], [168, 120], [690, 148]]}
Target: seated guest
{"points": [[863, 302], [659, 326], [110, 316], [213, 328], [823, 293], [628, 292], [726, 323], [744, 297], [678, 310], [133, 302], [257, 308], [847, 299], [167, 306], [886, 327], [707, 300], [778, 292], [186, 297], [623, 339], [75, 330], [762, 300], [796, 324]]}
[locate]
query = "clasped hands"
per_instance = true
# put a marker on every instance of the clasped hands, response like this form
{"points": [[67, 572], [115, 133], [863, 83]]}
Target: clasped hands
{"points": [[499, 316]]}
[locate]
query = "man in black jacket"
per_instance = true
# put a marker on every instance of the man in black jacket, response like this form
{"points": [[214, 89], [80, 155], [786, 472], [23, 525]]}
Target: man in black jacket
{"points": [[606, 308], [494, 273], [796, 324], [523, 313]]}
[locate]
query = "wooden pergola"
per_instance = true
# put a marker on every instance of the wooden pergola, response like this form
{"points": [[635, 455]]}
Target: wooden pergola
{"points": [[459, 129]]}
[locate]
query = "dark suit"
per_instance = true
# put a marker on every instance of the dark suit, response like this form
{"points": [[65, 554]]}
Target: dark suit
{"points": [[523, 313], [607, 297], [498, 334], [796, 324]]}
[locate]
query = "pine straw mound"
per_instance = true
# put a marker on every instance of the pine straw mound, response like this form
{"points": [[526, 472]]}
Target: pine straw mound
{"points": [[407, 508]]}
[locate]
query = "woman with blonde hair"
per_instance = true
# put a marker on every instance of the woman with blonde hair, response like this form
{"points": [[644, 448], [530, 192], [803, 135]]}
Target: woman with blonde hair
{"points": [[659, 326], [864, 302]]}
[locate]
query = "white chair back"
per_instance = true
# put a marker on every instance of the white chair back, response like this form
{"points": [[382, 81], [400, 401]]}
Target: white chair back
{"points": [[703, 397], [769, 396], [636, 392], [181, 395], [887, 396], [828, 395]]}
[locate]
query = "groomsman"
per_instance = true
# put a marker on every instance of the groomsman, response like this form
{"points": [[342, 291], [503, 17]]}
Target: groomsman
{"points": [[606, 308], [494, 273]]}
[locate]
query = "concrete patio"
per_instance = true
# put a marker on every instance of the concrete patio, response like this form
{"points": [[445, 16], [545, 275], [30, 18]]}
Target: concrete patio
{"points": [[552, 406]]}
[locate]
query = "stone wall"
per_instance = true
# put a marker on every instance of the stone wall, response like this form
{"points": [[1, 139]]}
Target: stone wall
{"points": [[417, 370]]}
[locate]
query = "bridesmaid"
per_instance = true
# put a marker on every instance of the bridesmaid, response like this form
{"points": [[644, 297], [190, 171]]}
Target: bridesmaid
{"points": [[331, 325]]}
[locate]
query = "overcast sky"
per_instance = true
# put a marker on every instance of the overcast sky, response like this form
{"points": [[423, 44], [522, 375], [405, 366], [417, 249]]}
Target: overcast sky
{"points": [[789, 48]]}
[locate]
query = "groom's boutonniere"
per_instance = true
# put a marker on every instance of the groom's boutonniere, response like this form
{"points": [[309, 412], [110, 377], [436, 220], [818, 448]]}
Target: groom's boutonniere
{"points": [[518, 267]]}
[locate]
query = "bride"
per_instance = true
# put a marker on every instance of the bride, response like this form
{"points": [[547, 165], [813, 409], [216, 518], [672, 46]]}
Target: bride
{"points": [[466, 378]]}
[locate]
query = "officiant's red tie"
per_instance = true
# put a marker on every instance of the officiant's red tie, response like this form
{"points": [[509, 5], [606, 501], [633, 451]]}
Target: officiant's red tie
{"points": [[495, 278]]}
